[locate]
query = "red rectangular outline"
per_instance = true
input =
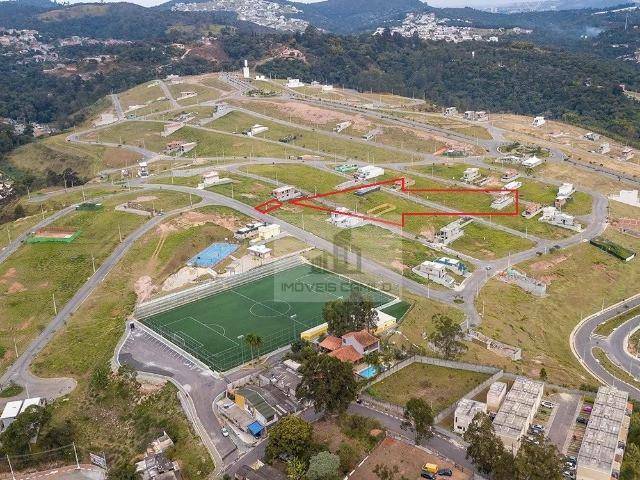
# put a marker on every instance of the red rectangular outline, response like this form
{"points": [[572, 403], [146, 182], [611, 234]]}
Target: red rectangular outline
{"points": [[274, 204]]}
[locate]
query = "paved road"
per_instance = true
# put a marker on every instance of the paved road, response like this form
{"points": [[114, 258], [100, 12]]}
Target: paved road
{"points": [[118, 106], [19, 371], [17, 242], [147, 354], [583, 339], [168, 94]]}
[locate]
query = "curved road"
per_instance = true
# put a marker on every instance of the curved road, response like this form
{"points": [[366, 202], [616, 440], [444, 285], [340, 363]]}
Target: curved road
{"points": [[19, 371], [583, 339]]}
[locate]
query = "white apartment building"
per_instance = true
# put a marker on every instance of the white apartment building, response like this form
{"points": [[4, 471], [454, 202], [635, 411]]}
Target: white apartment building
{"points": [[517, 411], [466, 410], [601, 451]]}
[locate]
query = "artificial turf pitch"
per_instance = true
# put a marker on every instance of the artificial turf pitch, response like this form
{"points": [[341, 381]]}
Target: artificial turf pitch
{"points": [[277, 308]]}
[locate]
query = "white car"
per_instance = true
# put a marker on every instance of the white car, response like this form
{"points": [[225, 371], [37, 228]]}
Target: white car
{"points": [[547, 404], [225, 432]]}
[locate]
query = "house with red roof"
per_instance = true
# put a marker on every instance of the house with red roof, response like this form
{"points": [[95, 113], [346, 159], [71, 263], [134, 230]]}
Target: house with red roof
{"points": [[351, 347]]}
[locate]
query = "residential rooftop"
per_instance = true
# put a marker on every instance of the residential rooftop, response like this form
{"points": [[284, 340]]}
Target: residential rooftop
{"points": [[609, 418]]}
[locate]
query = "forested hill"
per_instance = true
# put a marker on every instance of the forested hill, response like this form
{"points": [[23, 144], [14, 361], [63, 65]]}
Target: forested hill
{"points": [[121, 20], [508, 77]]}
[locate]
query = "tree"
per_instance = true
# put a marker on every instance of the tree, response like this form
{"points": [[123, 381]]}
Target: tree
{"points": [[447, 337], [419, 415], [296, 468], [539, 461], [354, 313], [254, 342], [323, 466], [328, 383], [291, 437], [631, 463], [18, 212], [337, 318], [543, 374], [16, 438], [484, 446]]}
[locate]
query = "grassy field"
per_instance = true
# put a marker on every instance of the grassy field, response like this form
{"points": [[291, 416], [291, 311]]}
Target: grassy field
{"points": [[613, 368], [144, 94], [317, 141], [210, 144], [439, 386], [518, 318], [326, 119], [37, 211], [606, 328], [34, 274], [480, 202], [99, 323], [204, 94], [483, 242], [459, 126], [418, 320], [55, 153]]}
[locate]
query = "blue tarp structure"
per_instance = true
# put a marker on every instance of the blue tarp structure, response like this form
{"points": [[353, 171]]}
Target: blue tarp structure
{"points": [[212, 255], [256, 429]]}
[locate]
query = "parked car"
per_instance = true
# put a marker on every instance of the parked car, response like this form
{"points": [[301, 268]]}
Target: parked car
{"points": [[225, 432], [582, 420], [587, 408], [445, 472], [547, 404], [427, 475]]}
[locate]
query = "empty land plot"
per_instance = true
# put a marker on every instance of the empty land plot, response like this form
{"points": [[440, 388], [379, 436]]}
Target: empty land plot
{"points": [[408, 459], [213, 81], [374, 242], [55, 153], [210, 144], [31, 277], [481, 241], [181, 93], [520, 319], [474, 130], [440, 386], [277, 307], [91, 334], [481, 202], [144, 94], [309, 115], [318, 141]]}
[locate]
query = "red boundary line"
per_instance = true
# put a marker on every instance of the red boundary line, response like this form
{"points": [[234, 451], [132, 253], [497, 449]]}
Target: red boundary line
{"points": [[274, 204]]}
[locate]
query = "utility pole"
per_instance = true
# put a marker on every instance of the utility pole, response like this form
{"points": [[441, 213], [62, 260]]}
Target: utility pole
{"points": [[8, 234], [119, 233], [75, 452], [55, 307], [93, 262], [11, 468]]}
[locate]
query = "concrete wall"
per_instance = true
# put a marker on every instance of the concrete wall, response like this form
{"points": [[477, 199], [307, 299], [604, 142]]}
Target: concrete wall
{"points": [[398, 410]]}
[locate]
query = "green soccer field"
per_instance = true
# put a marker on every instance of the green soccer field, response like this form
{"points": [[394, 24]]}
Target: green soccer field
{"points": [[277, 308]]}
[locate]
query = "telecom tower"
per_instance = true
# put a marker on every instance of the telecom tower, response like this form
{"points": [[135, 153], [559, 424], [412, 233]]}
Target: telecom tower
{"points": [[245, 70]]}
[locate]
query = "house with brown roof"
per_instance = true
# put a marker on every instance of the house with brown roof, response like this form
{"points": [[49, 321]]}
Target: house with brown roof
{"points": [[351, 347]]}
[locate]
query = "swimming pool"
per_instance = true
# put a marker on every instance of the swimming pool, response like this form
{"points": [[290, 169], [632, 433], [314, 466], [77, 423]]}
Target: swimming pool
{"points": [[369, 372], [212, 255]]}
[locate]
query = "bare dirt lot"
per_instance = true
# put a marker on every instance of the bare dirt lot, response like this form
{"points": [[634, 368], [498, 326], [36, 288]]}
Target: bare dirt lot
{"points": [[408, 458]]}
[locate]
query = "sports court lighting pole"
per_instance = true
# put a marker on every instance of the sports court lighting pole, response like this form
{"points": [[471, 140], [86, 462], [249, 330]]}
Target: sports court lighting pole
{"points": [[241, 337], [293, 324]]}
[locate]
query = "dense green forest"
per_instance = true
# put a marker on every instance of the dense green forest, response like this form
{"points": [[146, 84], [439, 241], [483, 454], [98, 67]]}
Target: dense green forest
{"points": [[124, 21], [29, 94], [506, 77]]}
